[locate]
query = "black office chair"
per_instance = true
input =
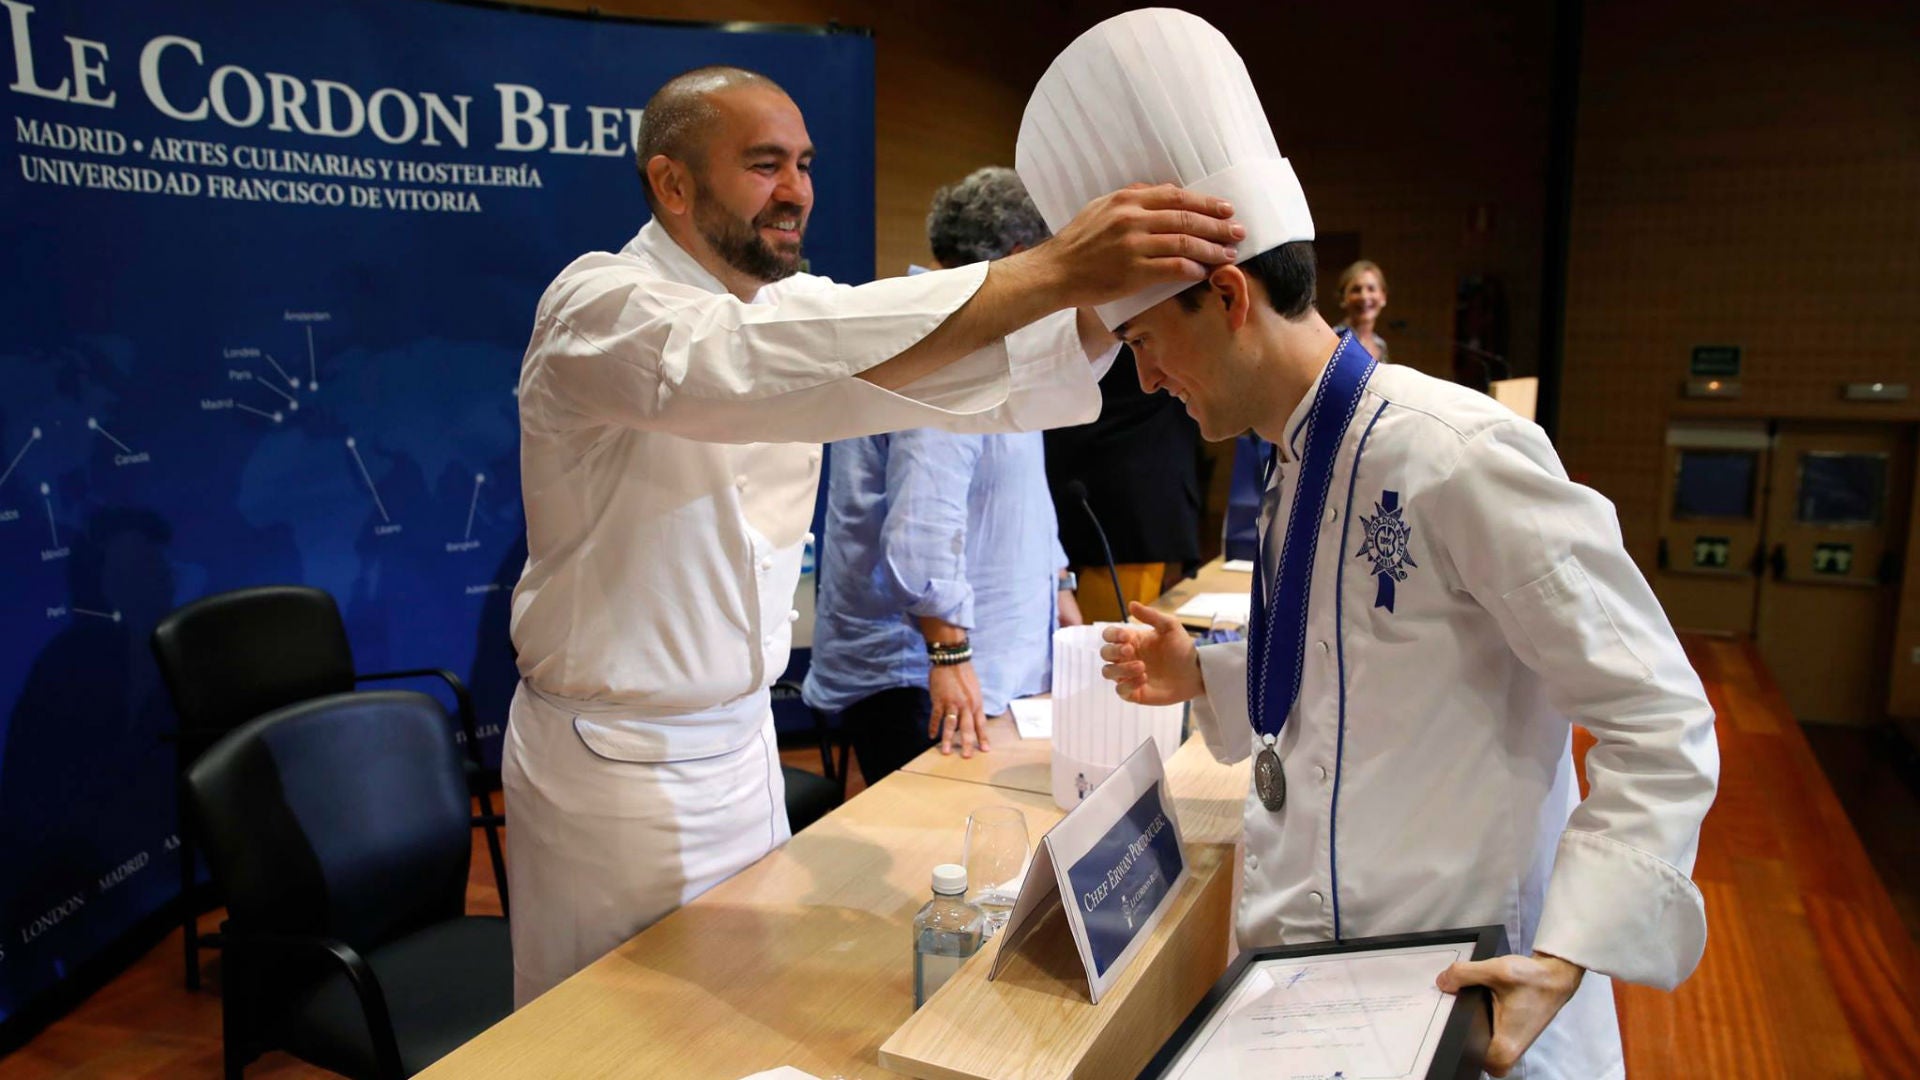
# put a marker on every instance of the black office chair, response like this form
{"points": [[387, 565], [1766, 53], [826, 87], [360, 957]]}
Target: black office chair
{"points": [[811, 796], [338, 831], [832, 739], [232, 656]]}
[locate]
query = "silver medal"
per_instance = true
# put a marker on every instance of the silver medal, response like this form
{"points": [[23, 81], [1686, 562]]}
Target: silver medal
{"points": [[1268, 779]]}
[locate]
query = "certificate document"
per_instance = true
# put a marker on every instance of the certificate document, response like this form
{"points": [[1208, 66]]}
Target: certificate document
{"points": [[1372, 1015]]}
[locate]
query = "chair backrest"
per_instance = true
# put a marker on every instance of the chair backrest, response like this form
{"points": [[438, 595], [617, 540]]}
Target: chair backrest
{"points": [[345, 816], [232, 656]]}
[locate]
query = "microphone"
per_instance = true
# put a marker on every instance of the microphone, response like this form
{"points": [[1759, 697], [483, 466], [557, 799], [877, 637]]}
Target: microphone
{"points": [[1078, 492]]}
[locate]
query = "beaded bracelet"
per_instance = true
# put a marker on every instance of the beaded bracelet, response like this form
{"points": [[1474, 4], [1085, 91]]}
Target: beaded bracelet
{"points": [[949, 653]]}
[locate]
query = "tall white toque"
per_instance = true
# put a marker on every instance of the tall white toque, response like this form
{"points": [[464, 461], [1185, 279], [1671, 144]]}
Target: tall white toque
{"points": [[1157, 96]]}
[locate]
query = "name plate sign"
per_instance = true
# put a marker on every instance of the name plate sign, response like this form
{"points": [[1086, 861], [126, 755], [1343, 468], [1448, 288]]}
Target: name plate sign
{"points": [[1113, 864]]}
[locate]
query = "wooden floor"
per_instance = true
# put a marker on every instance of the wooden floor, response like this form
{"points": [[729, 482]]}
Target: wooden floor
{"points": [[1809, 970]]}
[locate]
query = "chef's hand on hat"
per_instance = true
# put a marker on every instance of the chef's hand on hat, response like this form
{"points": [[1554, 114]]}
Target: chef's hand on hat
{"points": [[1139, 237], [1528, 992], [1155, 664]]}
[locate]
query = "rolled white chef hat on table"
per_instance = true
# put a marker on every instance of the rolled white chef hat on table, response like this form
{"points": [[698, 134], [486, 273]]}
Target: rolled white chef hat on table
{"points": [[1157, 96]]}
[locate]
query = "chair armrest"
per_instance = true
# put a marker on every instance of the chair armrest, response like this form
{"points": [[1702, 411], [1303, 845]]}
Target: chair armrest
{"points": [[373, 1002], [463, 701]]}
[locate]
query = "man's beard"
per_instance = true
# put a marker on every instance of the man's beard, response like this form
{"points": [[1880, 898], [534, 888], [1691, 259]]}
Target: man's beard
{"points": [[739, 242]]}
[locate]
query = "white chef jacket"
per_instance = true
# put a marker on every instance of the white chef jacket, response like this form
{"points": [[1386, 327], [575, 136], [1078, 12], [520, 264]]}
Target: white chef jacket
{"points": [[669, 462], [1428, 757]]}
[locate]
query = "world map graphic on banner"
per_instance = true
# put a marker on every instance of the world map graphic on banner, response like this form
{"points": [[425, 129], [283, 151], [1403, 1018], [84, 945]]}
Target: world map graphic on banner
{"points": [[274, 270]]}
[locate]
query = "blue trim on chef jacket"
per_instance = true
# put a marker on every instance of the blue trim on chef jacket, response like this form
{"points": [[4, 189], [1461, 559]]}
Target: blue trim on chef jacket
{"points": [[1340, 653]]}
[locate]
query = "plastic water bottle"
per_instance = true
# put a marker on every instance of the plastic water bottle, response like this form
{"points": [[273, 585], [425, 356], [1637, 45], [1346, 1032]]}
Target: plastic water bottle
{"points": [[945, 932]]}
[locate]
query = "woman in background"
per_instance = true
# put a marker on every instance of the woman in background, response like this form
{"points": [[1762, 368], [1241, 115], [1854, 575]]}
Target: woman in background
{"points": [[1363, 296]]}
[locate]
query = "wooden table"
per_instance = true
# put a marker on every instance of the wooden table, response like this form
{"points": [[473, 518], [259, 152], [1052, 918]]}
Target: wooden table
{"points": [[805, 957], [802, 959], [1213, 577], [1014, 762]]}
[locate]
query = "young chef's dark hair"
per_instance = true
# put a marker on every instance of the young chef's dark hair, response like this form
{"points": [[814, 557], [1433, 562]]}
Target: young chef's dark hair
{"points": [[679, 114], [1286, 272]]}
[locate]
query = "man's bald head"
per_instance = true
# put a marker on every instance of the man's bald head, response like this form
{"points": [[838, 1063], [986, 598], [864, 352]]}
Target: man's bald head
{"points": [[680, 116]]}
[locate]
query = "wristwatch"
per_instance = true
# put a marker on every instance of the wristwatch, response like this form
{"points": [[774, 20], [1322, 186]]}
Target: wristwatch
{"points": [[1070, 582]]}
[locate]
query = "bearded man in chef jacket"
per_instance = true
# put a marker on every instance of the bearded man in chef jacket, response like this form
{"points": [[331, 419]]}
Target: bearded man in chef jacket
{"points": [[672, 402], [1434, 606]]}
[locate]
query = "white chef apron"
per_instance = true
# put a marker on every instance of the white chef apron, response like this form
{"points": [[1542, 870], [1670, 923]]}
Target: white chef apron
{"points": [[601, 848]]}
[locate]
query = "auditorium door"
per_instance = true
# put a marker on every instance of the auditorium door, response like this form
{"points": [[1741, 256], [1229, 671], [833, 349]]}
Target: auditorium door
{"points": [[1834, 529]]}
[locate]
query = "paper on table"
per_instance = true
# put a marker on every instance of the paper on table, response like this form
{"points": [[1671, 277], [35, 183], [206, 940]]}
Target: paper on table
{"points": [[1372, 1014], [784, 1072], [1033, 717], [1238, 566], [1230, 606]]}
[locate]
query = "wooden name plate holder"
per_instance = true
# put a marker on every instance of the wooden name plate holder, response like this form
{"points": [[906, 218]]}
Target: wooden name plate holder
{"points": [[1037, 1019]]}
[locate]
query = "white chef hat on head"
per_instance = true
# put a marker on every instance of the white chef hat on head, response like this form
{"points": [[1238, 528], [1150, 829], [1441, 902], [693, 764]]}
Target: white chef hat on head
{"points": [[1157, 96]]}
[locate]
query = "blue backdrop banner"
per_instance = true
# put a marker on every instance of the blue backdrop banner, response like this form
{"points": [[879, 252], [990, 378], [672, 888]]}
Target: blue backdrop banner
{"points": [[272, 268]]}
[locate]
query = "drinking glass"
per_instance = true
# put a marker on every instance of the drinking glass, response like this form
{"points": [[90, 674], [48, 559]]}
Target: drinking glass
{"points": [[1223, 628], [996, 861]]}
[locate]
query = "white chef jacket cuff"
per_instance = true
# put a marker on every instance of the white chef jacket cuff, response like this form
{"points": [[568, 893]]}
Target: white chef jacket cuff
{"points": [[1050, 382], [1104, 362], [1615, 909], [1221, 712]]}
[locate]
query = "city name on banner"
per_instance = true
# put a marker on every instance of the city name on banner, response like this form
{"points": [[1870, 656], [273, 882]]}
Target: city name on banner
{"points": [[177, 79]]}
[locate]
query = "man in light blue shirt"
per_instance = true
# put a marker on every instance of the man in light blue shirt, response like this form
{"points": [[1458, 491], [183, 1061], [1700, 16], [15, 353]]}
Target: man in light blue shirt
{"points": [[942, 576]]}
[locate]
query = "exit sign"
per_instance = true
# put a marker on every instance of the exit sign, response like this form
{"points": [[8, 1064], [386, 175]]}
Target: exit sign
{"points": [[1715, 362]]}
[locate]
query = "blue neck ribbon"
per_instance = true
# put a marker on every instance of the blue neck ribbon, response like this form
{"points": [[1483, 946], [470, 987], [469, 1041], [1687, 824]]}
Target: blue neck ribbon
{"points": [[1276, 653]]}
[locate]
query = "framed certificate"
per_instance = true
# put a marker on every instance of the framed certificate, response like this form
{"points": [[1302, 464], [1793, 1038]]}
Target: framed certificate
{"points": [[1364, 1008]]}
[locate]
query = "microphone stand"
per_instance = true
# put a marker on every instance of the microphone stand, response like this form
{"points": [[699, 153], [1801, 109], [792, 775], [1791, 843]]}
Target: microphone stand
{"points": [[1078, 490]]}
